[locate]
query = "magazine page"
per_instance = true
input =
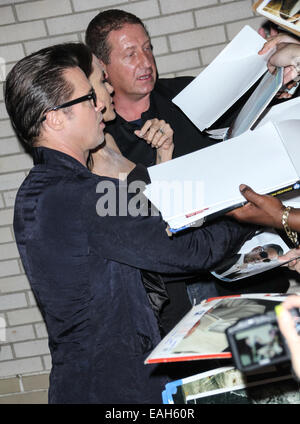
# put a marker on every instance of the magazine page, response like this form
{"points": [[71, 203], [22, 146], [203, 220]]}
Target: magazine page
{"points": [[285, 13], [201, 332], [228, 385], [259, 254]]}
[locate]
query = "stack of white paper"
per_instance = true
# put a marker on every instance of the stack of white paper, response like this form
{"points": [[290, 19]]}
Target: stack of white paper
{"points": [[202, 183], [289, 109], [206, 182]]}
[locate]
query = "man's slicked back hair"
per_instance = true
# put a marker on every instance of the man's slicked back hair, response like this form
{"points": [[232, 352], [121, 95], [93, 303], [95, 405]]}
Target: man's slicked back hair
{"points": [[36, 84], [100, 27]]}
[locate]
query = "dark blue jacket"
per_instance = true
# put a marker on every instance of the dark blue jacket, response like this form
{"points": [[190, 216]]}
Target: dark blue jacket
{"points": [[85, 273]]}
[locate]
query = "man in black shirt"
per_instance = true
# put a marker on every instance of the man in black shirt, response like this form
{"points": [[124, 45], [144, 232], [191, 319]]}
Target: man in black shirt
{"points": [[123, 46]]}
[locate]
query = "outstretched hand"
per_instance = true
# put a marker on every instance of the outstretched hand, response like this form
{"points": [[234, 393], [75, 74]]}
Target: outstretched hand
{"points": [[261, 209], [287, 55], [293, 256], [273, 41]]}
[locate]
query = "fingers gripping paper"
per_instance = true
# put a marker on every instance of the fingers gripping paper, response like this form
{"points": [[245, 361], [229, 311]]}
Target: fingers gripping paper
{"points": [[225, 80]]}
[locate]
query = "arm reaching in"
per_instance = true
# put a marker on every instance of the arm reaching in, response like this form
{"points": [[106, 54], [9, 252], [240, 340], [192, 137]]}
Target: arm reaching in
{"points": [[268, 211], [287, 54], [294, 265], [260, 209], [273, 41], [160, 135]]}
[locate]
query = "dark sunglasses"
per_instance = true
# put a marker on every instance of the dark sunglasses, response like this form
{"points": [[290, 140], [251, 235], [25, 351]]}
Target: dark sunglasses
{"points": [[262, 252], [91, 96]]}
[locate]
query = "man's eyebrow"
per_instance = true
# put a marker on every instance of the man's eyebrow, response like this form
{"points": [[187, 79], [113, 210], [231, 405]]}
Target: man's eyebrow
{"points": [[134, 46]]}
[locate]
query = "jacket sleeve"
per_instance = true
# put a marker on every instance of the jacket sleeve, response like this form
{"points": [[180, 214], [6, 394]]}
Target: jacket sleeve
{"points": [[142, 241]]}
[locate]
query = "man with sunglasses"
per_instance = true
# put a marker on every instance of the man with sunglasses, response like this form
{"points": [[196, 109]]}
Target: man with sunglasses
{"points": [[242, 262], [85, 269]]}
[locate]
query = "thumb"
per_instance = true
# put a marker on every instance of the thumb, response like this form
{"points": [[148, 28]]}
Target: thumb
{"points": [[250, 194], [139, 133], [246, 191]]}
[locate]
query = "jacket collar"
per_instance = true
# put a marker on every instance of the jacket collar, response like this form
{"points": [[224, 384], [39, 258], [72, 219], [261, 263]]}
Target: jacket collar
{"points": [[46, 156]]}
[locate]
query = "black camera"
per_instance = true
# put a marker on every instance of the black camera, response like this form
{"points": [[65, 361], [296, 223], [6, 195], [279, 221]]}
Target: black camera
{"points": [[256, 341]]}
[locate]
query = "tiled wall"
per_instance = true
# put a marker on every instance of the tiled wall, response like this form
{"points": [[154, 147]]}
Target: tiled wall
{"points": [[186, 34]]}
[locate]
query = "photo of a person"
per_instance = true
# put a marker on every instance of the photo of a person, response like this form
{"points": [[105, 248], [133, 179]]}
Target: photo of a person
{"points": [[250, 263]]}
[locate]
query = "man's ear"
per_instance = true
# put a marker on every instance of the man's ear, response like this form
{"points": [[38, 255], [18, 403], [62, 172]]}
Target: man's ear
{"points": [[104, 66], [55, 120]]}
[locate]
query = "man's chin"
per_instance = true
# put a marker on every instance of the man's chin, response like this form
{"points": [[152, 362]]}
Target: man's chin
{"points": [[146, 86]]}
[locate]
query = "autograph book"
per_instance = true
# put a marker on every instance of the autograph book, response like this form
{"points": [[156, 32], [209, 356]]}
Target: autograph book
{"points": [[206, 183]]}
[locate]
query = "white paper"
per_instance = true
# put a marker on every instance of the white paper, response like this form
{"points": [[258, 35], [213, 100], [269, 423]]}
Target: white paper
{"points": [[208, 180], [289, 109], [224, 80]]}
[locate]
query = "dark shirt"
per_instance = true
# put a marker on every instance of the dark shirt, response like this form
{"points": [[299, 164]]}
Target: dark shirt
{"points": [[84, 270], [187, 138]]}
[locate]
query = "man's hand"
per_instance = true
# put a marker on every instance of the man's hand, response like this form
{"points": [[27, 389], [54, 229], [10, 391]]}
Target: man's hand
{"points": [[293, 256], [160, 135], [287, 55], [272, 42], [261, 209]]}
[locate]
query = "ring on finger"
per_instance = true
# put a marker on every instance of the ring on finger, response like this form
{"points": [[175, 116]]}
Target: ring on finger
{"points": [[161, 130]]}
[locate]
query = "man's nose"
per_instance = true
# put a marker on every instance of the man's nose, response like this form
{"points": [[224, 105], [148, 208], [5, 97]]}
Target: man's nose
{"points": [[144, 59]]}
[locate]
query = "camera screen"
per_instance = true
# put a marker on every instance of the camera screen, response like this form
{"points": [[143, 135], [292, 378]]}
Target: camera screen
{"points": [[260, 345]]}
